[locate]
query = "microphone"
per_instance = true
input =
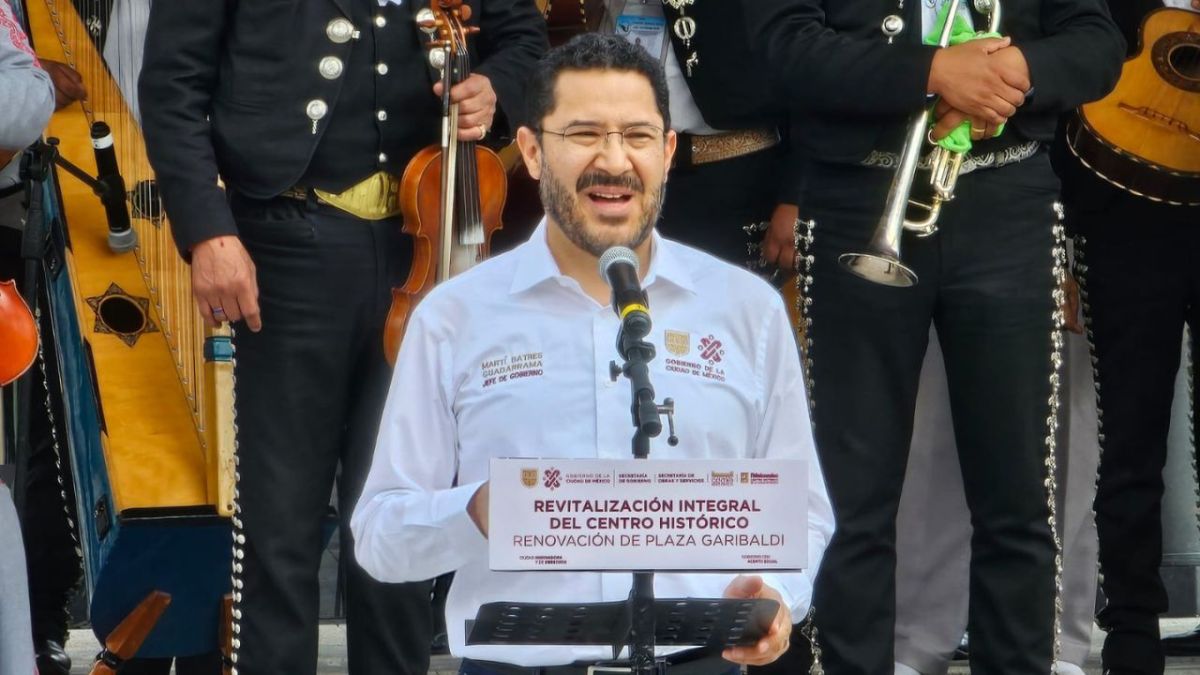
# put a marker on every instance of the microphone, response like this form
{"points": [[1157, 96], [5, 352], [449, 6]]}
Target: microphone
{"points": [[111, 189], [619, 267]]}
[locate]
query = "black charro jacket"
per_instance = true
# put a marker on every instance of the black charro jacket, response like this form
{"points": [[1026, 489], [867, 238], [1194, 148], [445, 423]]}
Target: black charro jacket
{"points": [[850, 92], [226, 84]]}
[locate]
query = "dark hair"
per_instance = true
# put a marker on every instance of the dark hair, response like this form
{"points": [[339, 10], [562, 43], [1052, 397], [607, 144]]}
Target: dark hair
{"points": [[592, 51]]}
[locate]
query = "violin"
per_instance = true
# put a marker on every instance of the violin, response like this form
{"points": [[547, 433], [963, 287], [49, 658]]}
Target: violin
{"points": [[18, 334], [452, 194]]}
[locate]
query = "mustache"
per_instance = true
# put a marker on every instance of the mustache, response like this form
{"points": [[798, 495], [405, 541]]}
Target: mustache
{"points": [[598, 179]]}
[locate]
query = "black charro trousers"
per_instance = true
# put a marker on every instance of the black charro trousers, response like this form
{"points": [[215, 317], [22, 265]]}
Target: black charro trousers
{"points": [[986, 281], [310, 390], [708, 206], [1139, 266]]}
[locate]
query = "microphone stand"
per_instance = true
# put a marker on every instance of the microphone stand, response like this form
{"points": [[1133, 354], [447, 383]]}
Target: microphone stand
{"points": [[637, 354]]}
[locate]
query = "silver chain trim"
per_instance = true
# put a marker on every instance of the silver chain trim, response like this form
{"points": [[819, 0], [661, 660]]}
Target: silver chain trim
{"points": [[802, 237], [991, 160], [1059, 254], [805, 261], [1080, 269], [808, 628], [57, 446], [239, 536], [1191, 408]]}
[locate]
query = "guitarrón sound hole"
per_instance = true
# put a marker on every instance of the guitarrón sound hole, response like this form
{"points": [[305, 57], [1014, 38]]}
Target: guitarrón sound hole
{"points": [[1185, 61], [122, 315]]}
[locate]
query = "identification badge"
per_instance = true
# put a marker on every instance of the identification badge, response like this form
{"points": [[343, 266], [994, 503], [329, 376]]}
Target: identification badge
{"points": [[643, 24]]}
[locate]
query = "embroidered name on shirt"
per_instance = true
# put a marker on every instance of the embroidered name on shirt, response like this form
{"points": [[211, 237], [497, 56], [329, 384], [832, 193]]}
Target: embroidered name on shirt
{"points": [[511, 367]]}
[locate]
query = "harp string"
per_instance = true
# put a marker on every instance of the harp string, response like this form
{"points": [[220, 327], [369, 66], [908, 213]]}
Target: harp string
{"points": [[102, 40]]}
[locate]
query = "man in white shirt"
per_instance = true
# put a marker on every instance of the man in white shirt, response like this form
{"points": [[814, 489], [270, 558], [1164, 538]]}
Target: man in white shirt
{"points": [[601, 150]]}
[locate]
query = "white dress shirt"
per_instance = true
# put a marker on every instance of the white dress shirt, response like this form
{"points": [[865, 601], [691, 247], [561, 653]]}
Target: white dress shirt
{"points": [[517, 314]]}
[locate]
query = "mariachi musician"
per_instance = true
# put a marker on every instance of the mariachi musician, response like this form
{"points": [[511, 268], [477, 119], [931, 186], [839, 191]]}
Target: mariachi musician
{"points": [[309, 111], [857, 76], [729, 176], [1136, 262]]}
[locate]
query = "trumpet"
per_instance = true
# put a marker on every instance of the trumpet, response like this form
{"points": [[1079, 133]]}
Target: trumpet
{"points": [[881, 261]]}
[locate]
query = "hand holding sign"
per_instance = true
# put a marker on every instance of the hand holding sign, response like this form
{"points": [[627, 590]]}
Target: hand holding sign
{"points": [[775, 642]]}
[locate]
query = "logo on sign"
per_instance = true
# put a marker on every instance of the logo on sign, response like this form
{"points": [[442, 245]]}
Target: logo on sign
{"points": [[552, 478], [711, 349], [678, 342], [529, 477], [722, 478]]}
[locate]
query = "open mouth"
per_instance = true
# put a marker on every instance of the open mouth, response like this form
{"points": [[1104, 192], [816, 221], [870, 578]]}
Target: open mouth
{"points": [[609, 196]]}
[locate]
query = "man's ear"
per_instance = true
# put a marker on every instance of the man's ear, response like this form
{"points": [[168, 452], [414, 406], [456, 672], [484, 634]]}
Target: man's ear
{"points": [[669, 155], [531, 151]]}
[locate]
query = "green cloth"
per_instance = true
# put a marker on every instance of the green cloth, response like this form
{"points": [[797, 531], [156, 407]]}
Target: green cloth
{"points": [[958, 140]]}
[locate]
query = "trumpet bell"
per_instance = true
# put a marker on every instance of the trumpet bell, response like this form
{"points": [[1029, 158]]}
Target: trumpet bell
{"points": [[881, 268]]}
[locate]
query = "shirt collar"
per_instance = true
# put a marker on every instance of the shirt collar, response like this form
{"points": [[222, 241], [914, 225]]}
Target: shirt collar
{"points": [[535, 263]]}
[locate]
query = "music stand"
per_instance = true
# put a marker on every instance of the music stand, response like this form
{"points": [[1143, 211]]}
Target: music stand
{"points": [[699, 622]]}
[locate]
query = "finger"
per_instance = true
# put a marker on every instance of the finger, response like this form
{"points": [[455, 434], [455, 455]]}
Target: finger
{"points": [[990, 115], [477, 104], [468, 88], [943, 107], [786, 258], [770, 250], [744, 586], [437, 88], [229, 305], [475, 119], [248, 305], [757, 654], [1016, 80], [205, 310], [1007, 100], [993, 45], [471, 133], [945, 125]]}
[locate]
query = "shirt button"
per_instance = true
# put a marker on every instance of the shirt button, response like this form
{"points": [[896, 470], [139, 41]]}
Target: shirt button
{"points": [[381, 115], [382, 157], [381, 68], [380, 22]]}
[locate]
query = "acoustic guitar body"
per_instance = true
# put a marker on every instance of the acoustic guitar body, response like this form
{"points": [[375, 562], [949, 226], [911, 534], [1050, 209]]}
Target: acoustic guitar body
{"points": [[1144, 137]]}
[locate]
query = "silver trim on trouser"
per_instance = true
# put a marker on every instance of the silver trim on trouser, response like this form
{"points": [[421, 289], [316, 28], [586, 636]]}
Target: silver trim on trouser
{"points": [[804, 280], [1059, 254], [806, 259], [239, 538]]}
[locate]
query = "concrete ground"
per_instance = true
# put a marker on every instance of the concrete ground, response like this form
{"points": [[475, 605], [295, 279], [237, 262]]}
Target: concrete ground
{"points": [[83, 648]]}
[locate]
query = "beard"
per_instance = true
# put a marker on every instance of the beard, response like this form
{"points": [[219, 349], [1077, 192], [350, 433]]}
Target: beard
{"points": [[562, 206]]}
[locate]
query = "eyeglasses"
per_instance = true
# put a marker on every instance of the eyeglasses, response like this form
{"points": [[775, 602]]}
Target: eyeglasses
{"points": [[636, 137]]}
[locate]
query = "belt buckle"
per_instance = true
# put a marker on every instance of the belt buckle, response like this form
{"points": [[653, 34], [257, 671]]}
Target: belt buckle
{"points": [[594, 670]]}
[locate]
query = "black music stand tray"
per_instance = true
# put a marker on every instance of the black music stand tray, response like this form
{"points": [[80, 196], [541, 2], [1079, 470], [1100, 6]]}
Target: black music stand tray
{"points": [[693, 622]]}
